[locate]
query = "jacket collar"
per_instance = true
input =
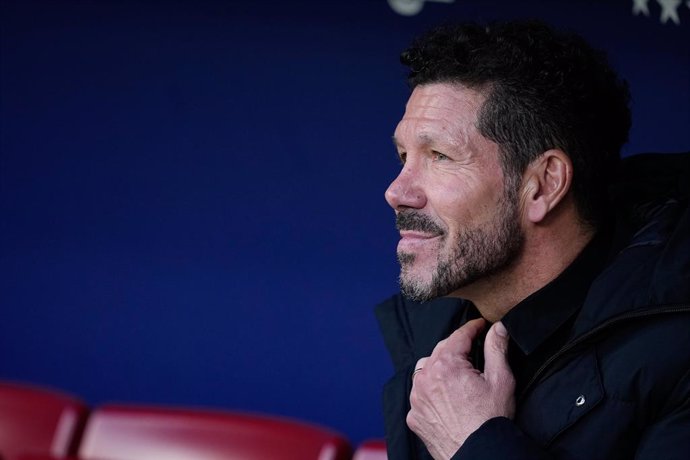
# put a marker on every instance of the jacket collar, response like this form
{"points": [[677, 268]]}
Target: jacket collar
{"points": [[532, 321]]}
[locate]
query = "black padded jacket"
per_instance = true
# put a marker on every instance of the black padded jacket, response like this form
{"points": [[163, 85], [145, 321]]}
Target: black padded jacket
{"points": [[620, 388]]}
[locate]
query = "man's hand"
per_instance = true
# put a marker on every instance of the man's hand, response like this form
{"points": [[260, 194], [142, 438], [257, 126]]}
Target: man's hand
{"points": [[450, 399]]}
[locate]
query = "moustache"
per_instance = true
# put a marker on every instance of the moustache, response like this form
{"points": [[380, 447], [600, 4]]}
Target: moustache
{"points": [[412, 220]]}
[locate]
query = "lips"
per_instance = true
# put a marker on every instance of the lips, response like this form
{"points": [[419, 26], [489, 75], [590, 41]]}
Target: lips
{"points": [[413, 241], [417, 235]]}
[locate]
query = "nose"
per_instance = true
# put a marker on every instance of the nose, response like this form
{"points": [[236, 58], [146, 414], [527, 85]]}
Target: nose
{"points": [[405, 191]]}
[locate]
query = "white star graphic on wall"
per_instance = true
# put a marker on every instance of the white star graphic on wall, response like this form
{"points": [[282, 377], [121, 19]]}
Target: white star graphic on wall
{"points": [[669, 10], [640, 6]]}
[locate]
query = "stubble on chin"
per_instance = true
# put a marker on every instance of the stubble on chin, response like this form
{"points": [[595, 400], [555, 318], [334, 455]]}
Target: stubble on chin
{"points": [[411, 286], [478, 252]]}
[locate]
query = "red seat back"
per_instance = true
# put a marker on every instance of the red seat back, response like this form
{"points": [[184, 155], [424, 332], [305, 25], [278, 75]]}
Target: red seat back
{"points": [[38, 420], [374, 449], [145, 433]]}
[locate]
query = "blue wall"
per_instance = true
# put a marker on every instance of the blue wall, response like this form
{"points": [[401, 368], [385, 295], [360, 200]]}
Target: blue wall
{"points": [[191, 193]]}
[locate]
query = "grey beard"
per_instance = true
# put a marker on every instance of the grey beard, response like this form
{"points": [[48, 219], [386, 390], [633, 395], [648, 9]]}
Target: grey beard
{"points": [[480, 252]]}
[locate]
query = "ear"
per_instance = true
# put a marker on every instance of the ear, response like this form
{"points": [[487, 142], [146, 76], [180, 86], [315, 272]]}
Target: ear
{"points": [[546, 182]]}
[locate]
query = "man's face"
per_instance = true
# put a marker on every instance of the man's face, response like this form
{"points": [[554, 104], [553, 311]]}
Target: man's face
{"points": [[458, 221]]}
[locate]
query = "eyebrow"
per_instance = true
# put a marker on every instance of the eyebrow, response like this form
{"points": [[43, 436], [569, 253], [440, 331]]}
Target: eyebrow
{"points": [[423, 138]]}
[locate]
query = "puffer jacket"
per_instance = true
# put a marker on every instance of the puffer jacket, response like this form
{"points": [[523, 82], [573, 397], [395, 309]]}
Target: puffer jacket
{"points": [[620, 388]]}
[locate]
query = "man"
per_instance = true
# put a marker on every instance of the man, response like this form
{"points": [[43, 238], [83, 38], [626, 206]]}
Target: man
{"points": [[509, 147]]}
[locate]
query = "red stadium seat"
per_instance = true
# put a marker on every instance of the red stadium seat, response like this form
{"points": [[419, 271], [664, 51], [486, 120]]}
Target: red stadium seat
{"points": [[38, 420], [374, 449], [147, 433], [44, 457]]}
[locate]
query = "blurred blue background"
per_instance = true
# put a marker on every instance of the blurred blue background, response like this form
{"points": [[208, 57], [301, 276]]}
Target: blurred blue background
{"points": [[191, 193]]}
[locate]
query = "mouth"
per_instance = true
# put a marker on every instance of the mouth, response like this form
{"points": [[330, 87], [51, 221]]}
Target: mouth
{"points": [[417, 235], [413, 240]]}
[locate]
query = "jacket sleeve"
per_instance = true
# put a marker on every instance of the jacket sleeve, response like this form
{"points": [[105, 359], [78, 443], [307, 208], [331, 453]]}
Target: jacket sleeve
{"points": [[499, 438]]}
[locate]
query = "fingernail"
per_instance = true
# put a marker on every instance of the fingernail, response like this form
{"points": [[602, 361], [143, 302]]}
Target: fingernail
{"points": [[501, 329]]}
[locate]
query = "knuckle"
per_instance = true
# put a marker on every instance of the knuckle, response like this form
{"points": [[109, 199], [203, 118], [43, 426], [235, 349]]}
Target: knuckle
{"points": [[499, 346], [439, 348], [414, 398], [438, 369], [411, 421], [448, 365]]}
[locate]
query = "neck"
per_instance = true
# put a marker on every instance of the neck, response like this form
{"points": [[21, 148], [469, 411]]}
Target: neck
{"points": [[547, 252]]}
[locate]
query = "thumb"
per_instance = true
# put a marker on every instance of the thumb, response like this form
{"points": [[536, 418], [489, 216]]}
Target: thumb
{"points": [[496, 367]]}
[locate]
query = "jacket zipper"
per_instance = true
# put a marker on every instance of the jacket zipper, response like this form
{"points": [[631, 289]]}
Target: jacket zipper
{"points": [[680, 308]]}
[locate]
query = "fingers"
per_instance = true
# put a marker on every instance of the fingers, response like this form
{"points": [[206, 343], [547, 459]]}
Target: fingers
{"points": [[496, 367], [461, 339], [457, 346], [418, 367], [450, 399], [420, 363]]}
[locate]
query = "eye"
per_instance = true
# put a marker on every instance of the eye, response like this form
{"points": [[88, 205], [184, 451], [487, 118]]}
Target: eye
{"points": [[402, 156], [438, 156]]}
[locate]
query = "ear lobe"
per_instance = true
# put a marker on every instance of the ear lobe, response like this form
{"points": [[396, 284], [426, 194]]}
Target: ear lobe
{"points": [[548, 182], [536, 205]]}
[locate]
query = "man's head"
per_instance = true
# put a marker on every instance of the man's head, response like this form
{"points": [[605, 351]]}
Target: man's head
{"points": [[487, 103]]}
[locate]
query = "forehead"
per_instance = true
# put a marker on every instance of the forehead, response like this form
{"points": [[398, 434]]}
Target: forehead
{"points": [[440, 110]]}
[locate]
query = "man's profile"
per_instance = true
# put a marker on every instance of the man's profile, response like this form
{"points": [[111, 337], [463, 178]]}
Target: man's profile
{"points": [[545, 294]]}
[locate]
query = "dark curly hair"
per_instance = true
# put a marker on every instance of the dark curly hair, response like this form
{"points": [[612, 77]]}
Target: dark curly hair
{"points": [[545, 89]]}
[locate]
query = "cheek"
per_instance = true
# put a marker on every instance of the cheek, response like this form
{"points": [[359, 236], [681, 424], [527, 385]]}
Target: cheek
{"points": [[457, 204], [465, 195], [462, 208]]}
